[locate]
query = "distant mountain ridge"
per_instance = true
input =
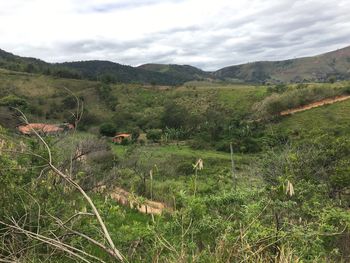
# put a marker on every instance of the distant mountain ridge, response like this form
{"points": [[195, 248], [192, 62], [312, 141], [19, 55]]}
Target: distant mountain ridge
{"points": [[99, 70], [317, 68], [320, 68]]}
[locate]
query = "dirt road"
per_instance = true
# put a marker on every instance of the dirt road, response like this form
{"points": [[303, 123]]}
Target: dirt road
{"points": [[315, 104]]}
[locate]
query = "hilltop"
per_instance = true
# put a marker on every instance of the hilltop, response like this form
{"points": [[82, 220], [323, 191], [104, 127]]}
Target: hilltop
{"points": [[182, 72]]}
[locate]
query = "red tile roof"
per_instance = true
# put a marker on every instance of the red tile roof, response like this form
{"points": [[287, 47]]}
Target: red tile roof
{"points": [[42, 128], [123, 135]]}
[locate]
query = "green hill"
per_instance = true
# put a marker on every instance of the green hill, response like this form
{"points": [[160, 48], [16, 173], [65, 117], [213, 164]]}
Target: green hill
{"points": [[17, 63], [309, 69], [329, 66], [95, 70], [114, 72]]}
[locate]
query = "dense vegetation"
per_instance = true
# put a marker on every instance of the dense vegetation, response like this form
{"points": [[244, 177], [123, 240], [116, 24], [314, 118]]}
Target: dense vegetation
{"points": [[286, 199]]}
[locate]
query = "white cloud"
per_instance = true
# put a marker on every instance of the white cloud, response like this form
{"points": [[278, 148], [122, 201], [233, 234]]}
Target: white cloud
{"points": [[208, 34]]}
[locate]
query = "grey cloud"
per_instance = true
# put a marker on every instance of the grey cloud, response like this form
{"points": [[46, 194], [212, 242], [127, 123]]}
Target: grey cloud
{"points": [[120, 5], [282, 30]]}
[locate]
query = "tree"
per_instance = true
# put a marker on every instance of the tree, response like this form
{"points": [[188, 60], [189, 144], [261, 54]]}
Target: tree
{"points": [[105, 94], [174, 116]]}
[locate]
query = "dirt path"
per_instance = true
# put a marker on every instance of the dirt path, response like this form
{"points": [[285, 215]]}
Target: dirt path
{"points": [[126, 198], [315, 104]]}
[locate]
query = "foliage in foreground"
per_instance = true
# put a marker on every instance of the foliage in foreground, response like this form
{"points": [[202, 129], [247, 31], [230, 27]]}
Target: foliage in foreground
{"points": [[300, 214]]}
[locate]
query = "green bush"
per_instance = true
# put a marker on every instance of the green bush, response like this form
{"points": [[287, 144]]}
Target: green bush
{"points": [[106, 95], [174, 116], [277, 89], [88, 119], [69, 102], [347, 90], [135, 134], [13, 101], [108, 129], [154, 135]]}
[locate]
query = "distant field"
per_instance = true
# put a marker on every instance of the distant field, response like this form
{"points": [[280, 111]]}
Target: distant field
{"points": [[178, 160], [164, 151], [241, 98]]}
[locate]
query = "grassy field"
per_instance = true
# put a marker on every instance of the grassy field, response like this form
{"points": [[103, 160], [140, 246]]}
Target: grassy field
{"points": [[164, 151], [241, 98], [174, 172]]}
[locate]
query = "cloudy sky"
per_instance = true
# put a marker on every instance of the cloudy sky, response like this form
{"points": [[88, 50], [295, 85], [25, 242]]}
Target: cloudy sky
{"points": [[209, 34]]}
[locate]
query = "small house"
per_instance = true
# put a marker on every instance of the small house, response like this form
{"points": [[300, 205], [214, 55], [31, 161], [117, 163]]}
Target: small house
{"points": [[120, 137]]}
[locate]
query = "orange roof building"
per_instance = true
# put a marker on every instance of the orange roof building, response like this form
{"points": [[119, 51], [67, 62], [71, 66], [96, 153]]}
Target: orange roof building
{"points": [[121, 136], [44, 129]]}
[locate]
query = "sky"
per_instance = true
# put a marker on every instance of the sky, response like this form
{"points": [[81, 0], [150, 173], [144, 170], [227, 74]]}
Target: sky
{"points": [[209, 34]]}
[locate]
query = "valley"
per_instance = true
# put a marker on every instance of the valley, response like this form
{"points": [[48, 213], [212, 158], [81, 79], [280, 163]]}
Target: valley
{"points": [[211, 171]]}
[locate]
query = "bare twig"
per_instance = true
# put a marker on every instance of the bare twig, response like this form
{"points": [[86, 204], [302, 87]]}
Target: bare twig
{"points": [[113, 250]]}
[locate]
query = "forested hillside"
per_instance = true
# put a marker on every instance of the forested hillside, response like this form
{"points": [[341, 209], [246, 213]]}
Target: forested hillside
{"points": [[97, 70]]}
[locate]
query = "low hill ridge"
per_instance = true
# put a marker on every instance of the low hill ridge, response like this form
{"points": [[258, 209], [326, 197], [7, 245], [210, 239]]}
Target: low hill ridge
{"points": [[320, 68]]}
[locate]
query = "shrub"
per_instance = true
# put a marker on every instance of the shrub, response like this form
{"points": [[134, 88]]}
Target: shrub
{"points": [[108, 129], [280, 88], [142, 142], [13, 101], [69, 102], [347, 90], [125, 141], [174, 116], [184, 167], [154, 135], [105, 94], [34, 109], [88, 119], [332, 79], [135, 134]]}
